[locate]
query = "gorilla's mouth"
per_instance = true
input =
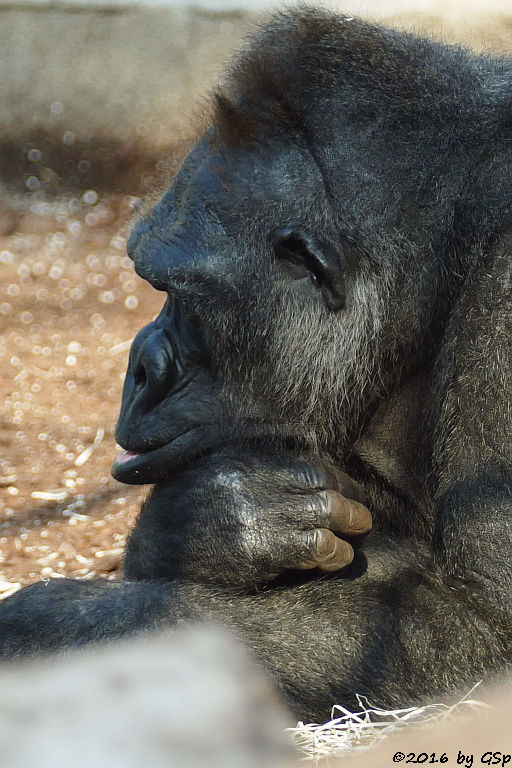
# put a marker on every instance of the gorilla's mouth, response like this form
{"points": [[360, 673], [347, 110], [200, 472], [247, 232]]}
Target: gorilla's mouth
{"points": [[156, 465], [159, 464]]}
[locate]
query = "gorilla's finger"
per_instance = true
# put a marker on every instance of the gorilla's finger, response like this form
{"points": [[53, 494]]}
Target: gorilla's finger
{"points": [[325, 551], [320, 477], [343, 515], [314, 475], [349, 488]]}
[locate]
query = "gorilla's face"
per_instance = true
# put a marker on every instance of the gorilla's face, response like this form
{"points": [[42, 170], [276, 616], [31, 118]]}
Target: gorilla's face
{"points": [[271, 325]]}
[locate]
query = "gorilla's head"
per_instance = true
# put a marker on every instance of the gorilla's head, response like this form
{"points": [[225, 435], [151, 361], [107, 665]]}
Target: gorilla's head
{"points": [[310, 246]]}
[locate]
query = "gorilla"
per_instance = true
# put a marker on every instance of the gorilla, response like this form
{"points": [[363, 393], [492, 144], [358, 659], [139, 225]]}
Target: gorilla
{"points": [[336, 339]]}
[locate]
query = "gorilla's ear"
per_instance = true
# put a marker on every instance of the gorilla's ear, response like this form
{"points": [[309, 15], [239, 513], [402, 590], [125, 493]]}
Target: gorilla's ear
{"points": [[302, 254]]}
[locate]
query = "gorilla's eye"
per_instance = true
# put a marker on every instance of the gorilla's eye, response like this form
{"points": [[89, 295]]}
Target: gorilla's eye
{"points": [[304, 255]]}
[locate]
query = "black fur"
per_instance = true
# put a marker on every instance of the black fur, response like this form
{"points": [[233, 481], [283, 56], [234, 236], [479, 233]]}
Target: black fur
{"points": [[336, 251]]}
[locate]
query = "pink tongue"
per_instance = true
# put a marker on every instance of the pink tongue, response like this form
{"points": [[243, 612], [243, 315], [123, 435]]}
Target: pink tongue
{"points": [[126, 456]]}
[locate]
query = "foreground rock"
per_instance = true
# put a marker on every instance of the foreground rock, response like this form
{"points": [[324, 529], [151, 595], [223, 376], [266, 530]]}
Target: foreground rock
{"points": [[185, 699]]}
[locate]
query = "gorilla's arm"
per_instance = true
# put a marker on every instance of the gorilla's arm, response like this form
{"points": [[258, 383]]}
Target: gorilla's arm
{"points": [[240, 518], [394, 634], [402, 633], [396, 625], [472, 456], [60, 613]]}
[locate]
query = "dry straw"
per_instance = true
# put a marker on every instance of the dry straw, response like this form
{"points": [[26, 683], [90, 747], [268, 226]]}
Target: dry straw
{"points": [[369, 726]]}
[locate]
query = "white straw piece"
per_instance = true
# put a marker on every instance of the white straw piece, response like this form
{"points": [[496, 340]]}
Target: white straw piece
{"points": [[59, 495], [87, 452]]}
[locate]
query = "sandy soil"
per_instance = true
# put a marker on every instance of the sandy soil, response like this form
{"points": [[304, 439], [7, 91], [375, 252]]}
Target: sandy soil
{"points": [[69, 305]]}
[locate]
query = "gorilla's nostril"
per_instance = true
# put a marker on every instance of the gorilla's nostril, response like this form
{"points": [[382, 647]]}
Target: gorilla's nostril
{"points": [[164, 357], [140, 376]]}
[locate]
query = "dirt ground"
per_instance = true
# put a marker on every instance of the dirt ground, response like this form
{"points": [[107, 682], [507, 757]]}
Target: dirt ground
{"points": [[70, 304]]}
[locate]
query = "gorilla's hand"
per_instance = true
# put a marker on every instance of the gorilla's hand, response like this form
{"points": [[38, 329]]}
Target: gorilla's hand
{"points": [[243, 519]]}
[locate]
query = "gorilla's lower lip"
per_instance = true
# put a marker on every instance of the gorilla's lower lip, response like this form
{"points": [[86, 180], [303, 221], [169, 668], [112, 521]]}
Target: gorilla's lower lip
{"points": [[126, 456], [160, 463]]}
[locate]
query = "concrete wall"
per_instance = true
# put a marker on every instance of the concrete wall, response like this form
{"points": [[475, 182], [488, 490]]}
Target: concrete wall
{"points": [[124, 71], [95, 96], [90, 91]]}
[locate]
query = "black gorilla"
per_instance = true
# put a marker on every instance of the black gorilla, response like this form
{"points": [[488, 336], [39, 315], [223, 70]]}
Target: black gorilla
{"points": [[337, 337]]}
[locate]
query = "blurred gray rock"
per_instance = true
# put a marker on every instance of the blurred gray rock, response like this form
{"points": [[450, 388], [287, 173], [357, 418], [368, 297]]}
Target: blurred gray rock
{"points": [[184, 699]]}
